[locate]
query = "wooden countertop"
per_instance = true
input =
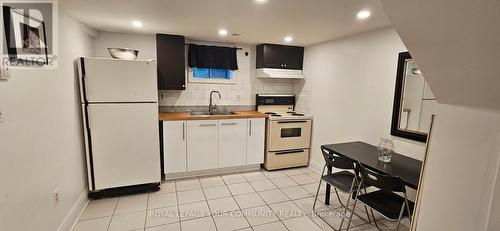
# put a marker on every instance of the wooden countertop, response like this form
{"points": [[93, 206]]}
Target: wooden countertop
{"points": [[165, 116]]}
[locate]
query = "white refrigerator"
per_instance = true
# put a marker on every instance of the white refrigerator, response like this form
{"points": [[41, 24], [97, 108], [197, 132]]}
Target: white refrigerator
{"points": [[119, 100]]}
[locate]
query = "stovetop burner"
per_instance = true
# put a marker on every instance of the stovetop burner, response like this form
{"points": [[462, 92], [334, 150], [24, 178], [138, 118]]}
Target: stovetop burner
{"points": [[288, 113]]}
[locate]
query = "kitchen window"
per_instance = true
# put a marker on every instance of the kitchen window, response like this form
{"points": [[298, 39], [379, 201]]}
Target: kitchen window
{"points": [[211, 73]]}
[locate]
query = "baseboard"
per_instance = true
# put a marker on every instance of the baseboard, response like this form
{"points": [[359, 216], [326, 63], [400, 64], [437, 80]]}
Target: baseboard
{"points": [[210, 172], [70, 220], [315, 166]]}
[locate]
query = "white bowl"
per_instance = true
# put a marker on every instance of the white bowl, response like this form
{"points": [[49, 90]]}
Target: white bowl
{"points": [[123, 53]]}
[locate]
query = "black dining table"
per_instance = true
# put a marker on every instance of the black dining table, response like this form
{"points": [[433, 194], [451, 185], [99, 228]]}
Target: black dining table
{"points": [[406, 168]]}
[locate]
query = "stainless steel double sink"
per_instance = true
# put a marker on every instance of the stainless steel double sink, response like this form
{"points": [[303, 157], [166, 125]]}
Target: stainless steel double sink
{"points": [[207, 113]]}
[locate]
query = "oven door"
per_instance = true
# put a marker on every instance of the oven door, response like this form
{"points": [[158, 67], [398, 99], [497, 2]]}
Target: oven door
{"points": [[289, 134]]}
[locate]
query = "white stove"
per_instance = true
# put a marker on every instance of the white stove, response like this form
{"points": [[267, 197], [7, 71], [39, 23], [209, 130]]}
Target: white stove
{"points": [[288, 133]]}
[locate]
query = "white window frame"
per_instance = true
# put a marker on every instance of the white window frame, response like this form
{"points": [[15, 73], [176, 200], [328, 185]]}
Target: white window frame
{"points": [[192, 79]]}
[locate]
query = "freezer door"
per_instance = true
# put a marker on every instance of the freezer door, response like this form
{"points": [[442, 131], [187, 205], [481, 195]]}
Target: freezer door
{"points": [[112, 80], [124, 144]]}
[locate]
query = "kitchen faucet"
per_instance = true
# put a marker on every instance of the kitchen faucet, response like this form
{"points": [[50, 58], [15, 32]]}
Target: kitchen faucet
{"points": [[212, 107]]}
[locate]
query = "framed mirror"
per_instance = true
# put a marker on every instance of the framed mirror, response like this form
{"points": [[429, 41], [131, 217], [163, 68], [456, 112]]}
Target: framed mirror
{"points": [[414, 103]]}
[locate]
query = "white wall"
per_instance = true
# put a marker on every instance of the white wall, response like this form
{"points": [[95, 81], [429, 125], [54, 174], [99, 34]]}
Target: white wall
{"points": [[455, 44], [197, 94], [350, 83], [494, 217], [146, 44], [461, 169], [41, 148]]}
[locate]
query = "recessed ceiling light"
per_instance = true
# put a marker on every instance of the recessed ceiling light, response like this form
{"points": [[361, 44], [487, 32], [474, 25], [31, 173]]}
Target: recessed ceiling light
{"points": [[288, 38], [223, 32], [137, 23], [363, 14], [260, 1]]}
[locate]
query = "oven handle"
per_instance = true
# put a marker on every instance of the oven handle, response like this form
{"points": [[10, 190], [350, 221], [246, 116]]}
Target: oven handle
{"points": [[293, 121], [289, 152]]}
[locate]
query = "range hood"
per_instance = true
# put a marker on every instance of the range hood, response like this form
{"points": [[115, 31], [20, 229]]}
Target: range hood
{"points": [[278, 73]]}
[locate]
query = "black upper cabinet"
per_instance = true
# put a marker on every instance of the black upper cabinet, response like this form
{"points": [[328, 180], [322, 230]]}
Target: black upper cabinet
{"points": [[280, 56], [170, 55], [294, 57], [270, 56]]}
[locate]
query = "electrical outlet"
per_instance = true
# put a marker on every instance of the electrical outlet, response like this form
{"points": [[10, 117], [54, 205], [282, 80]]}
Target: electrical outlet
{"points": [[55, 197], [238, 97], [2, 115], [4, 72]]}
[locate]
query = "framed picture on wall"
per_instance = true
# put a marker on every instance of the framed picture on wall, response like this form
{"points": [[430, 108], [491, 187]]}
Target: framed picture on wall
{"points": [[25, 38]]}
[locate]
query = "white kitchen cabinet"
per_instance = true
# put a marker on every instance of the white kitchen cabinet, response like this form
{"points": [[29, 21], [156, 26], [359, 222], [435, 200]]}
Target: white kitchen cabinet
{"points": [[256, 133], [196, 145], [232, 142], [202, 145], [174, 146]]}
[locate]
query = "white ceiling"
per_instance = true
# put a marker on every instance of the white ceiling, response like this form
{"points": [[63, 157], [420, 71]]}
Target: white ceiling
{"points": [[308, 21]]}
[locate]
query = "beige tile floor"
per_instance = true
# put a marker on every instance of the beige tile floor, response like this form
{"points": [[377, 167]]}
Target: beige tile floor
{"points": [[258, 200]]}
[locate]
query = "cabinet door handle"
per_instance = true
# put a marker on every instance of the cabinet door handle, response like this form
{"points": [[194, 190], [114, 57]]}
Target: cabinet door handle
{"points": [[207, 125], [284, 65], [289, 152], [250, 130], [229, 123], [183, 131]]}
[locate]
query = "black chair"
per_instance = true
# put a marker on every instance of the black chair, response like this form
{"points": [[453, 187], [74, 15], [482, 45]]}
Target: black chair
{"points": [[345, 181], [385, 201]]}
